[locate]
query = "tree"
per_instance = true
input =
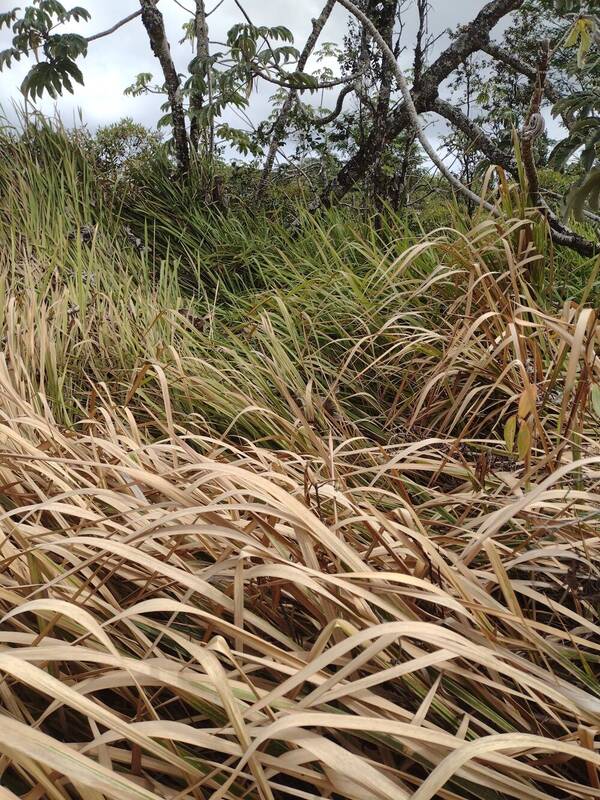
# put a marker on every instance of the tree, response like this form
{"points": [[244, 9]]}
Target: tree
{"points": [[473, 37], [371, 132], [281, 121], [467, 87], [214, 81], [425, 91], [155, 27], [571, 88]]}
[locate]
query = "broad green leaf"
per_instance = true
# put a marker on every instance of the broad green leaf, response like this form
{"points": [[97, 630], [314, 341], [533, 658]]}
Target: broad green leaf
{"points": [[595, 397], [510, 430], [524, 441]]}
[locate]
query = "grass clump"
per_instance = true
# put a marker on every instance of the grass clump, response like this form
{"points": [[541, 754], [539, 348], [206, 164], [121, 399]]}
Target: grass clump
{"points": [[324, 528]]}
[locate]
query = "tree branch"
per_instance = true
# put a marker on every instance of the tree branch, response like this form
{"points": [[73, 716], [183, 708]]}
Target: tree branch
{"points": [[471, 38], [386, 17], [294, 86], [561, 234], [419, 58], [534, 126], [476, 135], [318, 122], [280, 123], [115, 27], [201, 70], [413, 114], [529, 71]]}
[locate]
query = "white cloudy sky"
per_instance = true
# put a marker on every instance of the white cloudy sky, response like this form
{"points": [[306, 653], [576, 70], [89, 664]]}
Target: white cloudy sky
{"points": [[113, 62]]}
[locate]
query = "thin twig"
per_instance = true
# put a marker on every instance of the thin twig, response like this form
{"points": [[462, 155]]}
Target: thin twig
{"points": [[115, 27], [189, 11], [212, 11], [294, 85]]}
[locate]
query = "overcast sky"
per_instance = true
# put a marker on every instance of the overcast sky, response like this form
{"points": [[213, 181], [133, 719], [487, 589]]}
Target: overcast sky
{"points": [[113, 62]]}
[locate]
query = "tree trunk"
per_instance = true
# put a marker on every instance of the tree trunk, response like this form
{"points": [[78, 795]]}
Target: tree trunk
{"points": [[386, 18], [155, 27], [202, 70]]}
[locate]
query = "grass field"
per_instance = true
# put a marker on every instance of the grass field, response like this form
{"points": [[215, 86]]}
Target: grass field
{"points": [[292, 511]]}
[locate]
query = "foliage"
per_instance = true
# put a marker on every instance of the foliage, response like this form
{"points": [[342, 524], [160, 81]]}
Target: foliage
{"points": [[504, 94], [498, 96], [124, 149], [226, 80], [581, 110], [33, 29]]}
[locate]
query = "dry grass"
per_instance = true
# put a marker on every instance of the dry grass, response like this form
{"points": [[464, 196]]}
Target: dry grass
{"points": [[185, 616], [337, 538]]}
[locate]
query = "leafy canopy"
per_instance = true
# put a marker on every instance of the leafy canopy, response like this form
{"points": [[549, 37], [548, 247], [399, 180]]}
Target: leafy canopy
{"points": [[33, 33], [581, 109]]}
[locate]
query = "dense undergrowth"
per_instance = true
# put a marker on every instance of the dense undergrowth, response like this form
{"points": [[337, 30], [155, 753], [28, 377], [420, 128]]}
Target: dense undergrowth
{"points": [[292, 507]]}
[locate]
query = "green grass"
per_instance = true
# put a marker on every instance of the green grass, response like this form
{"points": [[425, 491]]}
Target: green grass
{"points": [[291, 511]]}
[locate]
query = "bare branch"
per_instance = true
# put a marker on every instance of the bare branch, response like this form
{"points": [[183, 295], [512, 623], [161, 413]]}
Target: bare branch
{"points": [[419, 59], [561, 234], [215, 8], [115, 27], [518, 65], [293, 85], [189, 10], [472, 37], [318, 122], [476, 135], [280, 122]]}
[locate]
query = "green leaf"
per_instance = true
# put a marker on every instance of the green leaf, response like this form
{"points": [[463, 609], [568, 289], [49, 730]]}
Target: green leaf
{"points": [[8, 17], [67, 83], [66, 45], [280, 32], [524, 441], [302, 80], [587, 193], [595, 398], [510, 430], [6, 57], [78, 13], [70, 67], [141, 85]]}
